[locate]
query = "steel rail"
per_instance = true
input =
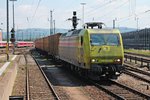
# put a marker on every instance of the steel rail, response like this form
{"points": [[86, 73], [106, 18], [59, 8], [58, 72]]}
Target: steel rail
{"points": [[116, 96], [135, 54], [27, 80], [129, 67], [138, 58], [47, 80], [136, 76], [131, 89]]}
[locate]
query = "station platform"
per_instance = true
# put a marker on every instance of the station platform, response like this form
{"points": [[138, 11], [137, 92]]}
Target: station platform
{"points": [[8, 72]]}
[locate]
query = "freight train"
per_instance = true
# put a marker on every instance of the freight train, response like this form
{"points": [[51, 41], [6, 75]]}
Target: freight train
{"points": [[89, 51]]}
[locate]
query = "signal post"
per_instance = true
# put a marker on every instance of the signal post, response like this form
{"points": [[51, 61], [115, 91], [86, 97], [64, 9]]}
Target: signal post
{"points": [[12, 39]]}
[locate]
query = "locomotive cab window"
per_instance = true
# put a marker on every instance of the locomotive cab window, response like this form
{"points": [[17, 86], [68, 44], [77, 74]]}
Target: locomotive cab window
{"points": [[104, 39]]}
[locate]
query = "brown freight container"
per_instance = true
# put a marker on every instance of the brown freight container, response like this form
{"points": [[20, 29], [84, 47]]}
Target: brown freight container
{"points": [[53, 44], [56, 44], [50, 45], [41, 43], [46, 44], [37, 43]]}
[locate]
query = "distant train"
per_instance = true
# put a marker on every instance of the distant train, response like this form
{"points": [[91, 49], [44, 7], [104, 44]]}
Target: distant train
{"points": [[4, 43], [24, 44], [92, 52], [17, 44]]}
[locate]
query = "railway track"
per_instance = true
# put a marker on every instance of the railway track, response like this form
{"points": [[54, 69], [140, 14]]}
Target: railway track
{"points": [[48, 82], [135, 54], [131, 67], [138, 59], [2, 51], [57, 79], [27, 79], [137, 73], [68, 85], [31, 88], [120, 91], [17, 50]]}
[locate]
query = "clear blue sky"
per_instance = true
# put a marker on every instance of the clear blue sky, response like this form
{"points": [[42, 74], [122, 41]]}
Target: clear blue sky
{"points": [[125, 12]]}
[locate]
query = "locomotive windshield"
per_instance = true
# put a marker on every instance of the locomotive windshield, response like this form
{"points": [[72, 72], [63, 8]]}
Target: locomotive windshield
{"points": [[104, 39]]}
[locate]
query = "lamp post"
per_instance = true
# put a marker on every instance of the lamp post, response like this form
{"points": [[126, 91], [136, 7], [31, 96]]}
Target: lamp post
{"points": [[7, 46], [13, 30], [51, 22], [54, 26], [137, 23], [114, 23], [83, 12], [13, 12], [1, 30]]}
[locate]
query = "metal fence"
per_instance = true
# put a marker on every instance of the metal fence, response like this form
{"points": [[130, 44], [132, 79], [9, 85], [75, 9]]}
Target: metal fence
{"points": [[137, 39]]}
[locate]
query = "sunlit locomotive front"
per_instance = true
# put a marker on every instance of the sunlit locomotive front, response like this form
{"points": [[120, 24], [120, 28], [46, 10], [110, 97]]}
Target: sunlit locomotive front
{"points": [[93, 51], [106, 52]]}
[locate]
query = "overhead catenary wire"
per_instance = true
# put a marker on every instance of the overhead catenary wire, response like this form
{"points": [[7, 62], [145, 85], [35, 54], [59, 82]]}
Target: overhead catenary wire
{"points": [[130, 16], [127, 18], [97, 6], [29, 21], [35, 10], [111, 11], [93, 7], [91, 12], [32, 2]]}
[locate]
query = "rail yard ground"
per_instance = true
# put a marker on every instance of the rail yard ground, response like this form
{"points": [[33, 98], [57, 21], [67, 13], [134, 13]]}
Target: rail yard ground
{"points": [[66, 85]]}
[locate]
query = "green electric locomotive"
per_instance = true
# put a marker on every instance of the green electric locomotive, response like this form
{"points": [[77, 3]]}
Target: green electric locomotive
{"points": [[93, 51]]}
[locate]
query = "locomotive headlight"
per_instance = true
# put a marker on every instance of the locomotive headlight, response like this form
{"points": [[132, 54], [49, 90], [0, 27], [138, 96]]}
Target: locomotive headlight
{"points": [[118, 60], [93, 60]]}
